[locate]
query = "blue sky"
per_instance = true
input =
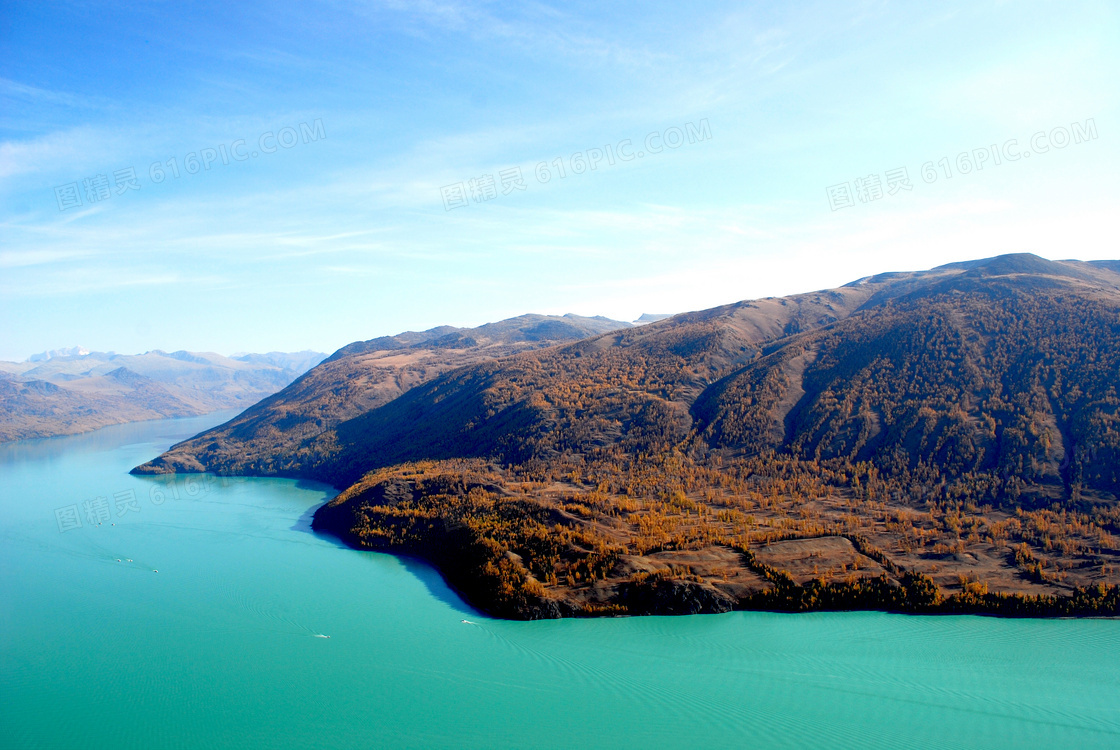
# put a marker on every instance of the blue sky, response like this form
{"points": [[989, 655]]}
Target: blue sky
{"points": [[345, 234]]}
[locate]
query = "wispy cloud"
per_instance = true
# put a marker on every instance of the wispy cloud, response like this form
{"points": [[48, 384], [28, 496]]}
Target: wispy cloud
{"points": [[74, 281], [22, 91]]}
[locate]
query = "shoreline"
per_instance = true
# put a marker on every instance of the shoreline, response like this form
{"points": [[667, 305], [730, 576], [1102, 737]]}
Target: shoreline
{"points": [[915, 597]]}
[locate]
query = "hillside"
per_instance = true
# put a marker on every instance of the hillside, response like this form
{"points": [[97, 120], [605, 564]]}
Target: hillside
{"points": [[73, 390], [276, 436], [946, 440]]}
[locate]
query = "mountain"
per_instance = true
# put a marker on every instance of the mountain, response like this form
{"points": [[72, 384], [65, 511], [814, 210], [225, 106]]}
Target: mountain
{"points": [[945, 440], [275, 436], [66, 391], [73, 351]]}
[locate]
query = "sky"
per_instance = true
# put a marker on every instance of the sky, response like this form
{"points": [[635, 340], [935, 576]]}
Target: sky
{"points": [[284, 176]]}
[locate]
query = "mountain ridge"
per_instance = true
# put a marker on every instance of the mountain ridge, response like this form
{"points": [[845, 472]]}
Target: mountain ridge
{"points": [[362, 376]]}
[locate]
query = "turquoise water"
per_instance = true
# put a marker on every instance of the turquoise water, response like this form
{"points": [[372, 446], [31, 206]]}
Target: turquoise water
{"points": [[219, 648]]}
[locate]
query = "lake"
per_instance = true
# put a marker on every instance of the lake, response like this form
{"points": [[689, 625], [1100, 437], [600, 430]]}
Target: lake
{"points": [[223, 647]]}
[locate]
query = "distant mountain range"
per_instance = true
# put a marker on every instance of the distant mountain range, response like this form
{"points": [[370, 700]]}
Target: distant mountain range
{"points": [[65, 391], [945, 440]]}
